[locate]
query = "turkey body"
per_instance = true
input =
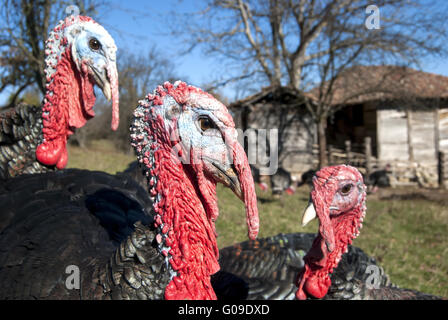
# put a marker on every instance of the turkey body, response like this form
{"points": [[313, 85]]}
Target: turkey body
{"points": [[92, 220], [266, 269], [20, 134], [280, 181]]}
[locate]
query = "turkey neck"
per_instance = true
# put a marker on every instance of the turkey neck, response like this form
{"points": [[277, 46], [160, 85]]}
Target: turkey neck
{"points": [[67, 105], [185, 233], [319, 261]]}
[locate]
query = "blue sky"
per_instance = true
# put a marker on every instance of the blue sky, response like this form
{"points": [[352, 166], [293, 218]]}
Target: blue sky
{"points": [[138, 31], [136, 25]]}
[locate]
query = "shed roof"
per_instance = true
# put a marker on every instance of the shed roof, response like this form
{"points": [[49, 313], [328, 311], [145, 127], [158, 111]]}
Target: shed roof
{"points": [[360, 84], [284, 94], [367, 83]]}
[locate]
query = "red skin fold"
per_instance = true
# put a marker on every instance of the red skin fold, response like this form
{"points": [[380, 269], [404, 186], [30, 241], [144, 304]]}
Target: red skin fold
{"points": [[69, 106]]}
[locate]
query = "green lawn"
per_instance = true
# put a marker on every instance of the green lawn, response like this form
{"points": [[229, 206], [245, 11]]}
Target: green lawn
{"points": [[409, 238], [100, 155]]}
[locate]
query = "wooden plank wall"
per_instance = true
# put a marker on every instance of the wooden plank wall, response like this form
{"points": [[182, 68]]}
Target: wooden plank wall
{"points": [[296, 133], [407, 140], [414, 139], [423, 136], [392, 135], [443, 130], [442, 133]]}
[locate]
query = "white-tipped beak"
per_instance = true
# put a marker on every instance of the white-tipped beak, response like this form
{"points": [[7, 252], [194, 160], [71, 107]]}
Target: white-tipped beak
{"points": [[107, 91], [309, 214]]}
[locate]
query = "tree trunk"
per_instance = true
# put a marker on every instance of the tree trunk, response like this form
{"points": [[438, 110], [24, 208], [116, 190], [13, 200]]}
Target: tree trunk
{"points": [[295, 73], [322, 141]]}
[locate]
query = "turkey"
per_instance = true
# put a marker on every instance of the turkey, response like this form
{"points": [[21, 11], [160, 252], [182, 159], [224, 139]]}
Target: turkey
{"points": [[307, 178], [379, 179], [281, 182], [79, 54], [125, 243], [304, 266]]}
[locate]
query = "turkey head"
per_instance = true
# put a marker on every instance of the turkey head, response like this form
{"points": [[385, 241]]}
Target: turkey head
{"points": [[187, 142], [338, 201], [80, 53]]}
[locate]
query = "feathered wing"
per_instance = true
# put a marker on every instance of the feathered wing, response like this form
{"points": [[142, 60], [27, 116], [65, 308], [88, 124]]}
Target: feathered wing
{"points": [[268, 266], [20, 134], [81, 218]]}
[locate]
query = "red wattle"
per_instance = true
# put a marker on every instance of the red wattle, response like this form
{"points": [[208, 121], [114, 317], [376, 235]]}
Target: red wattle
{"points": [[68, 105], [300, 295], [318, 289], [190, 232], [112, 74], [63, 159], [49, 152], [245, 177]]}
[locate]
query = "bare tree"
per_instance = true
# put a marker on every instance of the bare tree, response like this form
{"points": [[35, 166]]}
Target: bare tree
{"points": [[307, 43], [24, 28]]}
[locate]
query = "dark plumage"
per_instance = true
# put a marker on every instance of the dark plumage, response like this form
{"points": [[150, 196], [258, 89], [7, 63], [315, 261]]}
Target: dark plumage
{"points": [[20, 134], [307, 178], [378, 179], [280, 181], [82, 218]]}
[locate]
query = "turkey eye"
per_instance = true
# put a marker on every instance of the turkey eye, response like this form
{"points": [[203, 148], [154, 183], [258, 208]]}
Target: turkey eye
{"points": [[206, 123], [346, 189], [94, 44]]}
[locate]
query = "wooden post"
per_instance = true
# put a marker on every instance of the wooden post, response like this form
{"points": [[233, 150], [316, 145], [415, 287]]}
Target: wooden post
{"points": [[368, 154], [348, 151], [409, 129], [442, 169], [330, 155]]}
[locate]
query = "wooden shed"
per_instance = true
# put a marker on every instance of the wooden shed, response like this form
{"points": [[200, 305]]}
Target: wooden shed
{"points": [[282, 109], [402, 112], [405, 119]]}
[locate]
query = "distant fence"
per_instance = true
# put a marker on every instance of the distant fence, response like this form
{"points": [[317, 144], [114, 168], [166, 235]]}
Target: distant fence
{"points": [[357, 155]]}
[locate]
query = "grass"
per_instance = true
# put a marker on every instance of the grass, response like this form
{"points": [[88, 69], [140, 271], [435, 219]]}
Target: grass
{"points": [[100, 155], [408, 236]]}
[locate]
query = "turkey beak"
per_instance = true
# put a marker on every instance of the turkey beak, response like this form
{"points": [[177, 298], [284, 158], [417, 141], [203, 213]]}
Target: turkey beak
{"points": [[309, 214], [103, 82], [229, 178], [107, 79]]}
